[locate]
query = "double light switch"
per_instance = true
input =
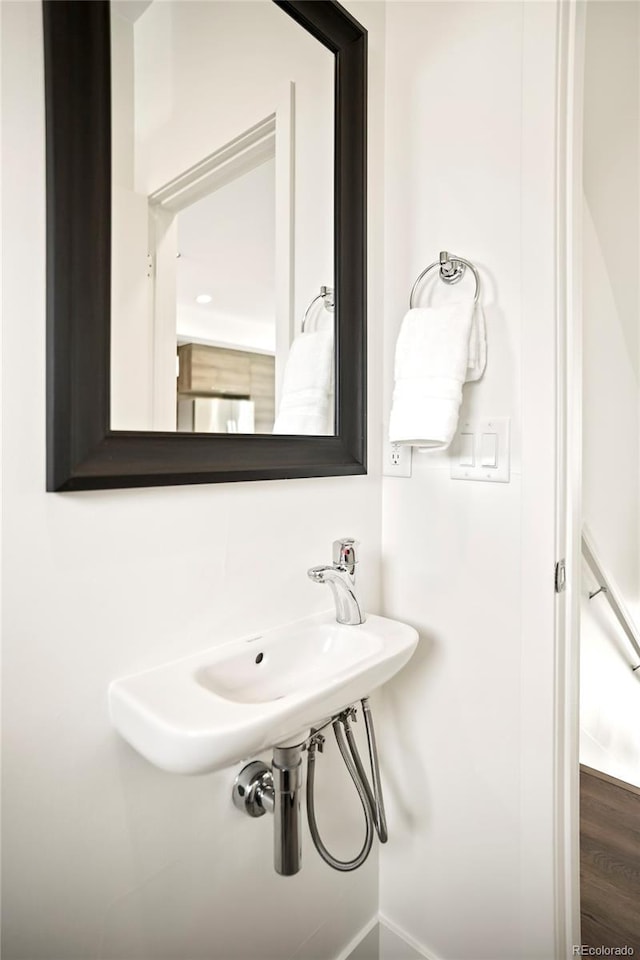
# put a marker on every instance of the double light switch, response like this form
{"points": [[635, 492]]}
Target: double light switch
{"points": [[480, 450]]}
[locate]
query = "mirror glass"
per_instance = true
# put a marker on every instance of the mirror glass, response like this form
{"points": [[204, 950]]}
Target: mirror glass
{"points": [[222, 220]]}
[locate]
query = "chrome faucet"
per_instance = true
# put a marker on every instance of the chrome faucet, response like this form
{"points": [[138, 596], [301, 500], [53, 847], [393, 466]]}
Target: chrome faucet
{"points": [[341, 578]]}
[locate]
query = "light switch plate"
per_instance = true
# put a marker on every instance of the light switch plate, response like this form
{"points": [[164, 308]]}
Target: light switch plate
{"points": [[462, 469]]}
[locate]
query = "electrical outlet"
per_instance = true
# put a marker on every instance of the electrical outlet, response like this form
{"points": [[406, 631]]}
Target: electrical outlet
{"points": [[397, 460]]}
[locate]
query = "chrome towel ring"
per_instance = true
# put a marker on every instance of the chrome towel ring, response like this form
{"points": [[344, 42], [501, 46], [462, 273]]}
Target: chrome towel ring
{"points": [[452, 270], [327, 295]]}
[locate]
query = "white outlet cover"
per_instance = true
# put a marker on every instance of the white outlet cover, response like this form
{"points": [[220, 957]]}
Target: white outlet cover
{"points": [[498, 426], [397, 459]]}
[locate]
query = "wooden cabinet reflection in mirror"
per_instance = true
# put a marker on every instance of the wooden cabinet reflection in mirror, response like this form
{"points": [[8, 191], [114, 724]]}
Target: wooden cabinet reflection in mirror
{"points": [[224, 391]]}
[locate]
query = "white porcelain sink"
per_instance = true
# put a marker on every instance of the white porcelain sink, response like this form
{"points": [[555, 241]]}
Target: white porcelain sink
{"points": [[230, 702]]}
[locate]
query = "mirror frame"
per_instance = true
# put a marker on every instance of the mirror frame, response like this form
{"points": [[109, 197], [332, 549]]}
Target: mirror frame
{"points": [[82, 451]]}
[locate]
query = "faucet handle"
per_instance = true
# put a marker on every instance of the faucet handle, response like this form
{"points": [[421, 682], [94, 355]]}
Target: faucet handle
{"points": [[345, 553]]}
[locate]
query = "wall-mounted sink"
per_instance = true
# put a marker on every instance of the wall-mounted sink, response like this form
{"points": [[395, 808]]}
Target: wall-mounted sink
{"points": [[227, 703]]}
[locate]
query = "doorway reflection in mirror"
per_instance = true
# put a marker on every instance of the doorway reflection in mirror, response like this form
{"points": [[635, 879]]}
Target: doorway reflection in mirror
{"points": [[225, 307]]}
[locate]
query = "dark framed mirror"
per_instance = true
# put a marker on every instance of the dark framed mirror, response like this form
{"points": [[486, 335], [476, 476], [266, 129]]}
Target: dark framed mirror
{"points": [[94, 440]]}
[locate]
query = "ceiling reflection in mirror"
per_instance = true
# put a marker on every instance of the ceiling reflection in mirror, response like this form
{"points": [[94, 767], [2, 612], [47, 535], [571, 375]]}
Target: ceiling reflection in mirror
{"points": [[222, 209]]}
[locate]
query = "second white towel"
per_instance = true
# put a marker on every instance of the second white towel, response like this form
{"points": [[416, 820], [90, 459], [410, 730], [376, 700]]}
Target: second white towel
{"points": [[477, 346], [432, 362], [306, 405]]}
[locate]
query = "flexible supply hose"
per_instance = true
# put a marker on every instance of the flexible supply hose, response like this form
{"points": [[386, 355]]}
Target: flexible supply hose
{"points": [[371, 800], [378, 805], [344, 865]]}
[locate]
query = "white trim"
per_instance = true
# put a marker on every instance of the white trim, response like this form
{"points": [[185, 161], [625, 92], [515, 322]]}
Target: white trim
{"points": [[569, 513], [383, 921], [164, 244], [355, 942], [408, 939], [540, 902], [242, 154], [284, 232]]}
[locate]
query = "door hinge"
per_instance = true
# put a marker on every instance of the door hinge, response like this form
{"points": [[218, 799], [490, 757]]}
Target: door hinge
{"points": [[561, 576], [149, 266]]}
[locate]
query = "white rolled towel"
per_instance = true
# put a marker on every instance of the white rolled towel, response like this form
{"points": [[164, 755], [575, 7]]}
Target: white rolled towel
{"points": [[306, 404], [431, 365], [477, 346]]}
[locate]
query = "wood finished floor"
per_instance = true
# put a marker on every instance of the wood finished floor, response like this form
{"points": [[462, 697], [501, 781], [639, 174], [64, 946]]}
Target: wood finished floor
{"points": [[609, 861]]}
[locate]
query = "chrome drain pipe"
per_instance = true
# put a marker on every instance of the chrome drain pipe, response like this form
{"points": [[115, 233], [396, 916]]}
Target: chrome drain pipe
{"points": [[258, 789], [287, 783]]}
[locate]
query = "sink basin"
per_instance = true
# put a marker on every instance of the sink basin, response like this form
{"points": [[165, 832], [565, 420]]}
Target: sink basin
{"points": [[304, 660], [229, 702]]}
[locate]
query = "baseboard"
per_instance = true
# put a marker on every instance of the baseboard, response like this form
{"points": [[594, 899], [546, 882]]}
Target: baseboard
{"points": [[394, 939], [355, 942], [394, 943]]}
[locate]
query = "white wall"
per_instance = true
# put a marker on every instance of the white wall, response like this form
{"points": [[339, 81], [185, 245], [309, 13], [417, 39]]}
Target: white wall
{"points": [[611, 150], [104, 856], [611, 419], [611, 286], [609, 694], [609, 702], [226, 245], [467, 738]]}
